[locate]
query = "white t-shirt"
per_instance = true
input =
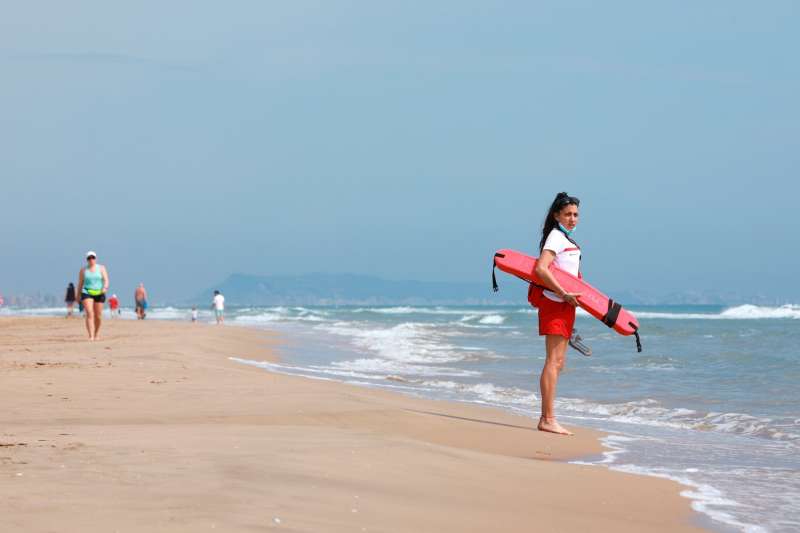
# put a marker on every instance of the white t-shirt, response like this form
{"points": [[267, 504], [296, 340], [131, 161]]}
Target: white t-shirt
{"points": [[568, 257], [219, 302]]}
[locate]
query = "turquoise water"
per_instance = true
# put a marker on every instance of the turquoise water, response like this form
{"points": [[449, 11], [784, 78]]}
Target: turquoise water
{"points": [[712, 401]]}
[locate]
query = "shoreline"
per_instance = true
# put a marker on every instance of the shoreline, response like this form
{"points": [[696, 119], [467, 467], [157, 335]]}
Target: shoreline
{"points": [[154, 427]]}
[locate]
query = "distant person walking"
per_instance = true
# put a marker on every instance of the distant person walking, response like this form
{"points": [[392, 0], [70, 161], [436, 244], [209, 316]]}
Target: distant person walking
{"points": [[140, 297], [218, 303], [113, 304], [194, 313], [69, 299], [92, 287]]}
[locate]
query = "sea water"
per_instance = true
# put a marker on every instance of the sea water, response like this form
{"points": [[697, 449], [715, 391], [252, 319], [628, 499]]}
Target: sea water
{"points": [[712, 401]]}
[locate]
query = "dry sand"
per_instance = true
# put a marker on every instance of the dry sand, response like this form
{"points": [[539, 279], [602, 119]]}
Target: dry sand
{"points": [[153, 428]]}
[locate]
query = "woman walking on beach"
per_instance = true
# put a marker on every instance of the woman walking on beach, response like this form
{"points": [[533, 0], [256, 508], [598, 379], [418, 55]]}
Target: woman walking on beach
{"points": [[556, 306], [69, 298], [92, 287]]}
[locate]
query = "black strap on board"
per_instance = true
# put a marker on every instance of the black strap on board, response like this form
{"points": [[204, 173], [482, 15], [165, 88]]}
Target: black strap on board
{"points": [[610, 319], [495, 287], [638, 340], [611, 315]]}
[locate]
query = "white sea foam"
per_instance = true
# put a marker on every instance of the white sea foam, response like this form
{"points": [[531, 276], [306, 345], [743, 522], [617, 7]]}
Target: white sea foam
{"points": [[492, 319], [364, 370], [282, 369], [168, 313], [279, 314], [705, 498], [486, 392], [755, 311], [408, 342], [651, 413], [407, 310], [384, 369], [644, 412], [35, 311], [740, 312]]}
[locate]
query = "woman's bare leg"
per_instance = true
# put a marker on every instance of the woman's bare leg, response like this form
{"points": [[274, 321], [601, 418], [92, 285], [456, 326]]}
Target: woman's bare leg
{"points": [[88, 310], [556, 347], [98, 318]]}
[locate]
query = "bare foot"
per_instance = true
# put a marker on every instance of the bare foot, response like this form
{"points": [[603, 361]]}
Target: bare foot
{"points": [[552, 426]]}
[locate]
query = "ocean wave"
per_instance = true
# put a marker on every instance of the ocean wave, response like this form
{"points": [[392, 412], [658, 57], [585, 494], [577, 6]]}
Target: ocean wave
{"points": [[168, 313], [385, 369], [755, 311], [280, 313], [407, 310], [492, 319], [372, 370], [651, 413], [408, 342], [486, 392], [647, 412], [644, 412], [35, 311], [705, 498], [740, 312]]}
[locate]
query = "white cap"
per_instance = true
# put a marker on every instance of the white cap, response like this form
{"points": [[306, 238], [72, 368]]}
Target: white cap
{"points": [[91, 252]]}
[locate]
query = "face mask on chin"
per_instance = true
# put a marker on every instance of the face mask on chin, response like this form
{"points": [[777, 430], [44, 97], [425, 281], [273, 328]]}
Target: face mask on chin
{"points": [[565, 230]]}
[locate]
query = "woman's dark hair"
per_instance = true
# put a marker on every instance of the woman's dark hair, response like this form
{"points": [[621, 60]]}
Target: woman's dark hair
{"points": [[561, 201]]}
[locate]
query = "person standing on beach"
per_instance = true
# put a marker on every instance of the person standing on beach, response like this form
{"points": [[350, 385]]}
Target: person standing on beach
{"points": [[556, 306], [218, 303], [69, 299], [140, 297], [194, 314], [92, 287]]}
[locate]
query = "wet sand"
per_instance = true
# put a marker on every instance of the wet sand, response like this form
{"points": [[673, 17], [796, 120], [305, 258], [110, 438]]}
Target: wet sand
{"points": [[154, 428]]}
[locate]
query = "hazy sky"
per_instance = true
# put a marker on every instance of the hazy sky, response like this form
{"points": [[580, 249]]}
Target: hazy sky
{"points": [[187, 140]]}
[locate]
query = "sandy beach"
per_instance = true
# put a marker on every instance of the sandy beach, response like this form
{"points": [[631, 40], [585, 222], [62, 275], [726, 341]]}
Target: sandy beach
{"points": [[155, 428]]}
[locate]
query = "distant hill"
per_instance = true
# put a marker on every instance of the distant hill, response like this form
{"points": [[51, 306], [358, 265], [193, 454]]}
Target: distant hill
{"points": [[353, 289]]}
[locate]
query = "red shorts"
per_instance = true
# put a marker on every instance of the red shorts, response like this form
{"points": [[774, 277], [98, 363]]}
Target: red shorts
{"points": [[555, 318]]}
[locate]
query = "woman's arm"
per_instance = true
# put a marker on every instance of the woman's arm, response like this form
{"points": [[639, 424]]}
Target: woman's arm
{"points": [[105, 280], [543, 271], [80, 285]]}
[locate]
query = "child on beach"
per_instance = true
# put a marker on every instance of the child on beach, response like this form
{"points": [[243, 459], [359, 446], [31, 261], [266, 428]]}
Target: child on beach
{"points": [[113, 304], [194, 313]]}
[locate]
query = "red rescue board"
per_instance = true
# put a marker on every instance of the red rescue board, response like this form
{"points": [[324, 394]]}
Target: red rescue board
{"points": [[594, 302]]}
